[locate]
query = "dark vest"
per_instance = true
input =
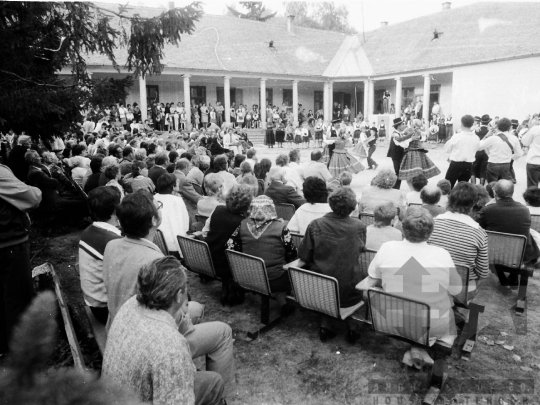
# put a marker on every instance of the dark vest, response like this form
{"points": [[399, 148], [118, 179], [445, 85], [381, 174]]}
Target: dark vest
{"points": [[394, 151]]}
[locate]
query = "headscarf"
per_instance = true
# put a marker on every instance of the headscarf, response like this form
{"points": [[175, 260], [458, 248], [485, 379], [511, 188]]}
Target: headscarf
{"points": [[263, 212]]}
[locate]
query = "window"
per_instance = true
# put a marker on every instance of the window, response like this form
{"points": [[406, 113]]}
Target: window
{"points": [[287, 97], [152, 94], [318, 98], [407, 97], [378, 102], [198, 94]]}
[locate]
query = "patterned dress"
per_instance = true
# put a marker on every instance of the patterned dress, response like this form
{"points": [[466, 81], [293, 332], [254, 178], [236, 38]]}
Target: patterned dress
{"points": [[415, 162], [342, 160]]}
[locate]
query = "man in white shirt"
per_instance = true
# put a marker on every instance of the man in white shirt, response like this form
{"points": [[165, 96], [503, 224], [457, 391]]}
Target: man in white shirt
{"points": [[462, 148], [294, 162], [316, 168], [531, 138], [502, 148], [251, 159]]}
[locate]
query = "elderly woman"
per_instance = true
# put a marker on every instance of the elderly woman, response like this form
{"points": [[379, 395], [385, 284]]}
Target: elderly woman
{"points": [[392, 269], [213, 184], [331, 246], [245, 170], [316, 195], [79, 169], [175, 218], [461, 235], [136, 181], [112, 174], [382, 230], [220, 226], [265, 235], [220, 167], [381, 191]]}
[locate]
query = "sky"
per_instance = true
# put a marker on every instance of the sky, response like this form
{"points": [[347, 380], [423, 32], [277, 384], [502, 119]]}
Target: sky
{"points": [[373, 11]]}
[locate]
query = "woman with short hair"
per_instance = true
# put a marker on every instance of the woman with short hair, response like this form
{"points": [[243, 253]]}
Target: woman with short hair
{"points": [[332, 245], [316, 195], [382, 230], [213, 185], [381, 191], [112, 174], [136, 181]]}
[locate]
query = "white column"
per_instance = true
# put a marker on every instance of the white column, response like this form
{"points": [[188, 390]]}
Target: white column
{"points": [[262, 107], [295, 102], [425, 101], [397, 103], [366, 98], [326, 101], [142, 98], [331, 100], [227, 98], [187, 101], [371, 97]]}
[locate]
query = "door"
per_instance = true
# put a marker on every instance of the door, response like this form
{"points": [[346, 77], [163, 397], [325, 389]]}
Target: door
{"points": [[198, 94], [152, 94]]}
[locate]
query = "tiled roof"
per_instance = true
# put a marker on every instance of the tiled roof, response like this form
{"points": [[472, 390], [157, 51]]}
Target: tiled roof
{"points": [[228, 43], [476, 33]]}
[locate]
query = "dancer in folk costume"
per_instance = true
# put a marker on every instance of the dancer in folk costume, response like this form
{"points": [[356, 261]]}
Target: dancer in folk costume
{"points": [[319, 128], [331, 136], [342, 160], [360, 149], [289, 134], [415, 161]]}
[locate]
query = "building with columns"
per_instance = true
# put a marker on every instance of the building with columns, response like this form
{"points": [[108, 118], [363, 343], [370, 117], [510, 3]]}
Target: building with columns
{"points": [[478, 59]]}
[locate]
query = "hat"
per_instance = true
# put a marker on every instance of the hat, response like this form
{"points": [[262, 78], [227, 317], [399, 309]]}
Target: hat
{"points": [[373, 129], [398, 121], [485, 119], [515, 123], [476, 118]]}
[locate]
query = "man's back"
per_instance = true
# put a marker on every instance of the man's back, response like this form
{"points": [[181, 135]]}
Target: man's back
{"points": [[317, 169], [122, 261], [155, 172], [281, 193]]}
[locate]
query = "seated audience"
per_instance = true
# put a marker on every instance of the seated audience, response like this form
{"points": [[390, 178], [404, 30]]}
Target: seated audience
{"points": [[387, 270], [185, 188], [279, 191], [418, 183], [316, 168], [381, 191], [293, 177], [213, 185], [265, 235], [220, 167], [102, 202], [252, 182], [107, 161], [430, 197], [112, 173], [93, 180], [489, 190], [532, 199], [316, 206], [136, 181], [174, 215], [220, 226], [140, 217], [160, 167], [251, 158], [445, 188], [65, 188], [332, 245], [238, 160], [382, 230], [261, 170], [79, 169], [508, 216], [245, 170], [481, 201], [195, 174], [461, 236], [294, 162], [144, 350], [344, 180]]}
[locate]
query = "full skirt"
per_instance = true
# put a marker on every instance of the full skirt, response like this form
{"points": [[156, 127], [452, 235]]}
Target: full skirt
{"points": [[342, 161], [360, 151], [416, 162]]}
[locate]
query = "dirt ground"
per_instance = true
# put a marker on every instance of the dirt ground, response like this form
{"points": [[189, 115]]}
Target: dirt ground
{"points": [[289, 365]]}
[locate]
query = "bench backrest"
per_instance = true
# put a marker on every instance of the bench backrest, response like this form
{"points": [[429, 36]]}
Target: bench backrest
{"points": [[365, 259], [296, 238], [285, 211], [367, 219], [506, 249], [315, 291], [197, 257], [535, 222], [464, 273], [159, 240], [249, 272]]}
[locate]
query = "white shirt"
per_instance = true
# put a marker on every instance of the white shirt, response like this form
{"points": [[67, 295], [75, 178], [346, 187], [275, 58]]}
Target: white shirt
{"points": [[317, 169], [463, 146], [497, 149], [298, 168], [175, 219], [294, 179], [228, 181], [305, 214], [251, 163], [532, 140]]}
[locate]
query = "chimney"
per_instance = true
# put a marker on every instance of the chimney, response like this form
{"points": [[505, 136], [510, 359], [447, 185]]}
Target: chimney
{"points": [[384, 24], [446, 5], [290, 25], [171, 5]]}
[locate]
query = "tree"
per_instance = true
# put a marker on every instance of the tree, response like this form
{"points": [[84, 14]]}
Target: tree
{"points": [[255, 11], [39, 39], [109, 91], [323, 15]]}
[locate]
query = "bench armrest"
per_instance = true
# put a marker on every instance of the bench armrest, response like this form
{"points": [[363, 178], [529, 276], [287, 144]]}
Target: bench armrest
{"points": [[296, 263]]}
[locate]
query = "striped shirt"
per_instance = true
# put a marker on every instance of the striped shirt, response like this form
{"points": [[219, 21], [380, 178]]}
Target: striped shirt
{"points": [[466, 242]]}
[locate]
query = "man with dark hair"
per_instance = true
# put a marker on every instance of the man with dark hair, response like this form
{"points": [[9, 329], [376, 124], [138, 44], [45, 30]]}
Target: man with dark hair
{"points": [[396, 150], [430, 196], [102, 202], [462, 148], [501, 148], [16, 291], [140, 217], [127, 158], [508, 216], [93, 180], [185, 188], [159, 168], [315, 168]]}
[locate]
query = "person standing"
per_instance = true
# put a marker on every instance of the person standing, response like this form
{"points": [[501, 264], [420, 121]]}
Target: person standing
{"points": [[531, 138], [16, 198], [462, 148], [396, 150], [386, 101], [501, 148], [481, 157]]}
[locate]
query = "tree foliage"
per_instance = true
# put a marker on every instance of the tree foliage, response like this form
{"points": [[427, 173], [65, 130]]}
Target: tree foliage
{"points": [[255, 11], [321, 15], [42, 39], [108, 91]]}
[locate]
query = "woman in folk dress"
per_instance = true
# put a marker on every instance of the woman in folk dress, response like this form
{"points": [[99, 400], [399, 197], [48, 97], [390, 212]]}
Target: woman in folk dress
{"points": [[342, 160]]}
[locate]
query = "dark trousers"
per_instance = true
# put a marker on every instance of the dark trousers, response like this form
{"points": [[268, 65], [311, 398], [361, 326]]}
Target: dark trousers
{"points": [[512, 279], [498, 171], [15, 288], [397, 165], [458, 171], [330, 153], [101, 314], [533, 175], [371, 151]]}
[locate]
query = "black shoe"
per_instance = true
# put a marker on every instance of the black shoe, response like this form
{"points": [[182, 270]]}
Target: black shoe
{"points": [[225, 292], [287, 309], [326, 334], [353, 336]]}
